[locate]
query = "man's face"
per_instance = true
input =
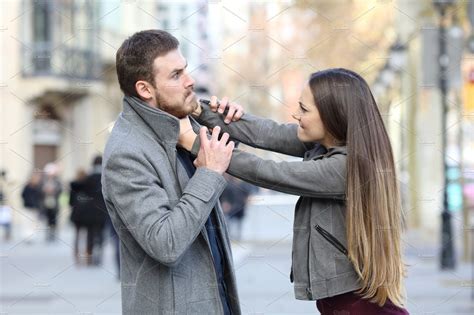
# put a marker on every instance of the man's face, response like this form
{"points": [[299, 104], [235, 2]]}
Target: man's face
{"points": [[173, 90]]}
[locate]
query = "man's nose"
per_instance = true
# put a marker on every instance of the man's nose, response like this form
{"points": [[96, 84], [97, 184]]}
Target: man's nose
{"points": [[189, 81]]}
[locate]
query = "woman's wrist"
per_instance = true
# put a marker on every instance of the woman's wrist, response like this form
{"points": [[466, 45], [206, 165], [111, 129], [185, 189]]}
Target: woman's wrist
{"points": [[197, 112], [188, 141]]}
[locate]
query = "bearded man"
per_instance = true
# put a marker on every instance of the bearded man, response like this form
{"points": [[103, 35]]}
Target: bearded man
{"points": [[174, 247]]}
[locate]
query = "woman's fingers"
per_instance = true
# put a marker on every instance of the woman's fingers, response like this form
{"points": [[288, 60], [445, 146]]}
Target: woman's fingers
{"points": [[234, 110], [223, 104], [214, 103]]}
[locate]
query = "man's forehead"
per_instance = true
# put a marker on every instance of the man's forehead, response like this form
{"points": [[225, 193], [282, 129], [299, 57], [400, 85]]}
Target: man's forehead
{"points": [[170, 61]]}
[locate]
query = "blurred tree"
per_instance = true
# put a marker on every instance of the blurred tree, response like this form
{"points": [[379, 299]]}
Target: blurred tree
{"points": [[280, 44]]}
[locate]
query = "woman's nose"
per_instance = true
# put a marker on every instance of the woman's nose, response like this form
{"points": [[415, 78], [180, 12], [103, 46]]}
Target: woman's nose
{"points": [[296, 116]]}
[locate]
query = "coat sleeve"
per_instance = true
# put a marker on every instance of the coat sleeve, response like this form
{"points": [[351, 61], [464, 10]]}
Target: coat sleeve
{"points": [[322, 178], [258, 132], [163, 231]]}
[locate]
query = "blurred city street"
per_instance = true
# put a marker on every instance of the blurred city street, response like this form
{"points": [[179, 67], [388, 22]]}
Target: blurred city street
{"points": [[41, 278], [403, 117]]}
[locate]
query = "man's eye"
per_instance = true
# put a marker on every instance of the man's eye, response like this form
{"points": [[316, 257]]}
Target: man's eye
{"points": [[303, 109]]}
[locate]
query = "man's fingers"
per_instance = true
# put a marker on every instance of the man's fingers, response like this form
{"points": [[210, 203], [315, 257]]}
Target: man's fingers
{"points": [[203, 136], [214, 103], [231, 146], [215, 134], [225, 138]]}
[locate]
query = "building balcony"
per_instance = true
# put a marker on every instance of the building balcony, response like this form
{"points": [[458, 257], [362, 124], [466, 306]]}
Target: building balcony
{"points": [[42, 59]]}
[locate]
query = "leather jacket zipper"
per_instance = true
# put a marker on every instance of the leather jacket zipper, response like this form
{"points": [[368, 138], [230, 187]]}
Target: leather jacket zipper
{"points": [[331, 239]]}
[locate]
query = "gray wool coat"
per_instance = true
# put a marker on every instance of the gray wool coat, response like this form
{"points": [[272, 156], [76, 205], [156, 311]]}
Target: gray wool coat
{"points": [[159, 214], [320, 265]]}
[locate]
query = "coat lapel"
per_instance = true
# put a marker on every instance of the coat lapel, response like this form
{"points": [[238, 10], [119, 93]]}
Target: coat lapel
{"points": [[166, 130]]}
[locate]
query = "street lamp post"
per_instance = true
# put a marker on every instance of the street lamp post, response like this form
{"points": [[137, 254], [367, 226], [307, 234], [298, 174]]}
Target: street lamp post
{"points": [[447, 248]]}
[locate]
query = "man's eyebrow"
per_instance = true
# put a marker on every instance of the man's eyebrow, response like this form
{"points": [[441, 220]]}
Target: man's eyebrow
{"points": [[179, 69]]}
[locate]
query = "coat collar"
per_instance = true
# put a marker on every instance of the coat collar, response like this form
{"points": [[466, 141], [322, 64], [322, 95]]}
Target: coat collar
{"points": [[320, 151], [164, 127], [337, 150]]}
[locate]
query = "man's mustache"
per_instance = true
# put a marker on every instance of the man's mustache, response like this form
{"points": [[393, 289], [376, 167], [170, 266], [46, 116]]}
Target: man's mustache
{"points": [[188, 93]]}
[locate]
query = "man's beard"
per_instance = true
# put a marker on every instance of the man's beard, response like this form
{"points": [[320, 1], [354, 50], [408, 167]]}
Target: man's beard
{"points": [[177, 109]]}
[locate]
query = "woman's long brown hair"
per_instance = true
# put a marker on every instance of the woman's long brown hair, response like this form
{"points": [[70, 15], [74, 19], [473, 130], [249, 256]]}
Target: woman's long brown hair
{"points": [[374, 215]]}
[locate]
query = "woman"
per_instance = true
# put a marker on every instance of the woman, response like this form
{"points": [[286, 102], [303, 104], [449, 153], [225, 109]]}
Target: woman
{"points": [[51, 189], [346, 242]]}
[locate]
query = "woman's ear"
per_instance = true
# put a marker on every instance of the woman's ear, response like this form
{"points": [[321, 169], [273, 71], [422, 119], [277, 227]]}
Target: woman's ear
{"points": [[143, 90]]}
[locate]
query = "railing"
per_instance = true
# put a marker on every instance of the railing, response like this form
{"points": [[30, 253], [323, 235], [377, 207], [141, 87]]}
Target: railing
{"points": [[42, 59]]}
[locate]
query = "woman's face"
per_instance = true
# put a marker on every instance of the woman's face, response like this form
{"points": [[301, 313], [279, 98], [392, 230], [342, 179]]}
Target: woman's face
{"points": [[311, 127]]}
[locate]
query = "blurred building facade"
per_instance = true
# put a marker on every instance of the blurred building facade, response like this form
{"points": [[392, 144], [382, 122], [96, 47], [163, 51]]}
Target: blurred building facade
{"points": [[60, 95], [410, 92], [54, 88]]}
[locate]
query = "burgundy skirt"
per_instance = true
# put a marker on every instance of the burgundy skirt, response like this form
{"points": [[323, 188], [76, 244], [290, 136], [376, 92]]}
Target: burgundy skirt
{"points": [[352, 304]]}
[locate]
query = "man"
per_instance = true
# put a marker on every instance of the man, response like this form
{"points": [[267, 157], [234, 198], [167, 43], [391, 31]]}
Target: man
{"points": [[90, 212], [31, 196], [175, 251]]}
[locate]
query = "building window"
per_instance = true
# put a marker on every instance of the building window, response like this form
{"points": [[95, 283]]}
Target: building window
{"points": [[41, 18], [41, 35]]}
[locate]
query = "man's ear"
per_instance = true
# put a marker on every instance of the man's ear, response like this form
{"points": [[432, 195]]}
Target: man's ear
{"points": [[143, 90]]}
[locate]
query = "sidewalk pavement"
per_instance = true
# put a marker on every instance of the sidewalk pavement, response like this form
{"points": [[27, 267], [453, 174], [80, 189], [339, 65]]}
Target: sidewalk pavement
{"points": [[431, 290], [41, 278]]}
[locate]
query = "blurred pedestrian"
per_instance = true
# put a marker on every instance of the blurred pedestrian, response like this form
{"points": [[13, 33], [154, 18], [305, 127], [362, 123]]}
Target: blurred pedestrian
{"points": [[88, 212], [347, 251], [81, 210], [31, 196], [5, 209], [5, 217], [51, 188], [234, 204], [94, 190]]}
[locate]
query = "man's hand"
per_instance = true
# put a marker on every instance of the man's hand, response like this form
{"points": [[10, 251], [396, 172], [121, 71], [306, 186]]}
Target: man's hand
{"points": [[214, 154], [186, 134], [235, 111]]}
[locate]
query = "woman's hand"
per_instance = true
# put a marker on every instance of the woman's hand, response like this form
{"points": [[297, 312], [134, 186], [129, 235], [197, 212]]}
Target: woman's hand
{"points": [[186, 134], [234, 110]]}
